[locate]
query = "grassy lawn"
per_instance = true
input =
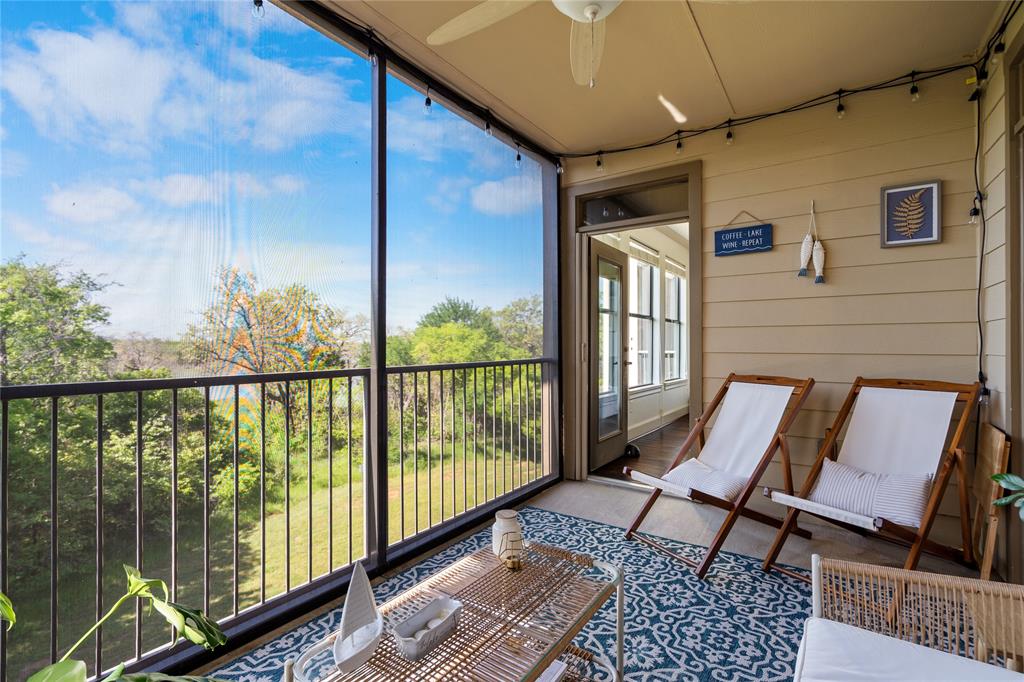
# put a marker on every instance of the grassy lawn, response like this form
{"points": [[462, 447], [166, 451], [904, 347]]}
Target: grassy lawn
{"points": [[414, 497]]}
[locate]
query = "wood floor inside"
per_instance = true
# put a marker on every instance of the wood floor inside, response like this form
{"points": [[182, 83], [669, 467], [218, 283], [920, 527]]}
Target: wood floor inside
{"points": [[657, 450]]}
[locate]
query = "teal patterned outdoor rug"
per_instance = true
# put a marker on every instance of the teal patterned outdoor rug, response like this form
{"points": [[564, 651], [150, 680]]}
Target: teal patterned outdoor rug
{"points": [[738, 624]]}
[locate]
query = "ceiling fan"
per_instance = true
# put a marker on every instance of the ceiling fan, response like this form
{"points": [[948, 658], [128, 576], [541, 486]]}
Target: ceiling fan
{"points": [[586, 38]]}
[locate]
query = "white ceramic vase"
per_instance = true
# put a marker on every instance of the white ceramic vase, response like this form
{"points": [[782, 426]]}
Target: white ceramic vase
{"points": [[506, 529]]}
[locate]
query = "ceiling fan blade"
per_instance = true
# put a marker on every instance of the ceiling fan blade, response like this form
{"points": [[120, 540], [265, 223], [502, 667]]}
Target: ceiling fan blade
{"points": [[480, 17], [586, 45]]}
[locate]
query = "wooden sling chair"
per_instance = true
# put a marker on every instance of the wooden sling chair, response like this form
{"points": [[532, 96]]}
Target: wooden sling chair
{"points": [[756, 413], [882, 482]]}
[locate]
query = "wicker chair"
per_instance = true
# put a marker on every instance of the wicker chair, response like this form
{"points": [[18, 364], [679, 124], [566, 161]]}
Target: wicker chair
{"points": [[876, 622]]}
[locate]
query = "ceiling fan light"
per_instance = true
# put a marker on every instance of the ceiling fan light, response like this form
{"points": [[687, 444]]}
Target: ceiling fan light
{"points": [[585, 11]]}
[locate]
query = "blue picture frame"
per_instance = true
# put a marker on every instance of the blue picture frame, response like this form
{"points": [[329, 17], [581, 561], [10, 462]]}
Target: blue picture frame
{"points": [[912, 214]]}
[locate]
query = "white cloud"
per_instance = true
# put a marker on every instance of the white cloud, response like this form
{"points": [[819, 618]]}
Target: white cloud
{"points": [[12, 163], [183, 189], [449, 193], [90, 204], [126, 94], [429, 136], [508, 196]]}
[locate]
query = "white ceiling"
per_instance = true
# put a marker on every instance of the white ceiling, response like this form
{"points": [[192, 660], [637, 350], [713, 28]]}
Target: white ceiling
{"points": [[712, 60]]}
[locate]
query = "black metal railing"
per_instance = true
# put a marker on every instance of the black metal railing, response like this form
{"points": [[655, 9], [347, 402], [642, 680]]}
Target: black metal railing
{"points": [[243, 492]]}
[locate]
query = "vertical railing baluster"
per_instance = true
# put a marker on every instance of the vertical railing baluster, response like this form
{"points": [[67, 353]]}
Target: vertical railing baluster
{"points": [[430, 440], [416, 449], [455, 504], [5, 455], [287, 487], [206, 499], [534, 421], [138, 517], [53, 529], [494, 430], [330, 475], [401, 455], [476, 439], [465, 461], [519, 428], [349, 396], [174, 502], [309, 480], [99, 533], [440, 440], [234, 508], [263, 492], [505, 460]]}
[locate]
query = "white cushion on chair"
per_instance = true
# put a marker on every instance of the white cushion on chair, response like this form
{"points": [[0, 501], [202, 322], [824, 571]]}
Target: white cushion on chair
{"points": [[835, 652], [900, 498], [694, 474]]}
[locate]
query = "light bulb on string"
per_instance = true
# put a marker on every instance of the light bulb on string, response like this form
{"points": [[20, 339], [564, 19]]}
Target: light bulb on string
{"points": [[487, 129], [679, 143], [728, 134], [600, 162], [840, 109], [427, 103], [519, 158], [997, 52], [258, 10], [915, 92], [974, 215], [558, 168]]}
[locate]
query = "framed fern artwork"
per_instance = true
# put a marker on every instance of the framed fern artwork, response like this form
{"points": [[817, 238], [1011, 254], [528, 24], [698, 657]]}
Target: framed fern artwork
{"points": [[911, 214]]}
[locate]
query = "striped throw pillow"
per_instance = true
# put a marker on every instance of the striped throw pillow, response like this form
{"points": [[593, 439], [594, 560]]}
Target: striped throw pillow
{"points": [[899, 498], [694, 473]]}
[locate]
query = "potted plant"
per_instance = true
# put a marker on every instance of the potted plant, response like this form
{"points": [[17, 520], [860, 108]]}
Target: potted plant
{"points": [[1014, 484], [192, 624]]}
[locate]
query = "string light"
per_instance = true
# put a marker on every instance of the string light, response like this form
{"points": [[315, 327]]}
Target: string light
{"points": [[840, 109], [997, 51], [915, 92], [558, 168], [427, 103], [600, 162], [679, 143], [519, 158], [257, 9], [487, 129], [728, 134]]}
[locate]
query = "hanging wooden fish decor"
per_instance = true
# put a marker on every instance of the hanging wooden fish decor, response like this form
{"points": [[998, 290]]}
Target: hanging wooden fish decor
{"points": [[813, 250]]}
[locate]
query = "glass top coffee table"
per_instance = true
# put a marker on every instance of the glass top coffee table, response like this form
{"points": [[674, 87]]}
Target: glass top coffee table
{"points": [[513, 626]]}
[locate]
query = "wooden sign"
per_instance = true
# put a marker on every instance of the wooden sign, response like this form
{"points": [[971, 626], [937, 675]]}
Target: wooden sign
{"points": [[750, 239]]}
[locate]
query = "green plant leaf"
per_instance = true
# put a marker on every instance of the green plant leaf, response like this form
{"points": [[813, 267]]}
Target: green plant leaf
{"points": [[62, 671], [7, 611], [1009, 499], [1009, 481], [192, 624], [144, 587], [115, 674]]}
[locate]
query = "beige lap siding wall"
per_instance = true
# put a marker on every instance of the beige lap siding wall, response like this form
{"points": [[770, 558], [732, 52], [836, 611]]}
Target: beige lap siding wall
{"points": [[996, 299], [900, 312]]}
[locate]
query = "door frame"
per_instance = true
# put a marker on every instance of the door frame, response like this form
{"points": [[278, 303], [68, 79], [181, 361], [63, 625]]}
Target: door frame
{"points": [[575, 296], [600, 251]]}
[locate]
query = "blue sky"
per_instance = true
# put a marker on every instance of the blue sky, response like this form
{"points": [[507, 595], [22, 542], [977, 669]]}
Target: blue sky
{"points": [[152, 144]]}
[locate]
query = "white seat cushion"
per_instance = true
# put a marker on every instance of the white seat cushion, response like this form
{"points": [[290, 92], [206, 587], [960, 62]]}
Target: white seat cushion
{"points": [[900, 498], [694, 474], [834, 652]]}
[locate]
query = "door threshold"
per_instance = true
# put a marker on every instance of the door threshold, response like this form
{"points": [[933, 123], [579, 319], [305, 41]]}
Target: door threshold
{"points": [[619, 482]]}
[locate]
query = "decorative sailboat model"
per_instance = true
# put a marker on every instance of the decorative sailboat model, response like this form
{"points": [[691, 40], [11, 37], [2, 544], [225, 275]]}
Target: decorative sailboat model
{"points": [[362, 626]]}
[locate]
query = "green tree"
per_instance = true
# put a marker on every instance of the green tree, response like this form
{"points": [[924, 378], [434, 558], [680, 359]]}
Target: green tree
{"points": [[521, 326], [459, 311], [48, 323], [452, 342]]}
